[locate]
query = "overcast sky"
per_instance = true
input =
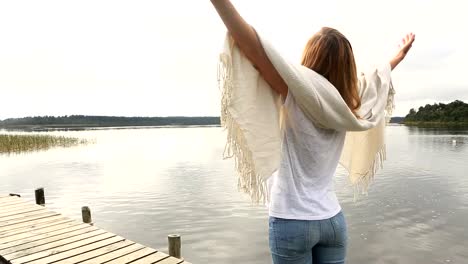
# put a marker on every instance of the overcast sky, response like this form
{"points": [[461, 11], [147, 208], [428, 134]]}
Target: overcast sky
{"points": [[159, 58]]}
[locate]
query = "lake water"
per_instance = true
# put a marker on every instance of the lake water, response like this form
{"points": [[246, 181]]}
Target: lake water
{"points": [[147, 183]]}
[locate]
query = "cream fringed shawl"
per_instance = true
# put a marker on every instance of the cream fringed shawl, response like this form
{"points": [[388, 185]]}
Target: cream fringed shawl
{"points": [[252, 114]]}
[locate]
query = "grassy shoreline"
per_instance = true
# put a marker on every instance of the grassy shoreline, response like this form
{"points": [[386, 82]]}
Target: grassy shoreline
{"points": [[11, 143]]}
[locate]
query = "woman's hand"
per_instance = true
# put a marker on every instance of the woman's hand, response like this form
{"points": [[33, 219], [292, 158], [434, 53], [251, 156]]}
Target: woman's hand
{"points": [[404, 47]]}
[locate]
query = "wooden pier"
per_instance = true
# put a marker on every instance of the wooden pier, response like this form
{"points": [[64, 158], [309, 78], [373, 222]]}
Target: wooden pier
{"points": [[30, 233]]}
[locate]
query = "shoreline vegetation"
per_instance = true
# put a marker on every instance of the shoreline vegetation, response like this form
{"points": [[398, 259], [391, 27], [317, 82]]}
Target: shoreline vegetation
{"points": [[15, 144], [81, 121], [19, 143], [435, 124], [435, 115], [454, 114]]}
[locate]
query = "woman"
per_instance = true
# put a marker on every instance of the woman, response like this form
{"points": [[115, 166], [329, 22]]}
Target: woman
{"points": [[306, 222]]}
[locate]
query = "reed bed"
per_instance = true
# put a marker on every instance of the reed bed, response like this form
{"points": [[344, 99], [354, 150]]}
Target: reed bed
{"points": [[26, 143]]}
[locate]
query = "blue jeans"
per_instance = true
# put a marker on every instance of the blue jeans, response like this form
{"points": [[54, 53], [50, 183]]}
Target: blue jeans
{"points": [[308, 241]]}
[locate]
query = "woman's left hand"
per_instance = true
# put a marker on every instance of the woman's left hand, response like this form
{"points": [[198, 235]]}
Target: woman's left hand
{"points": [[404, 47], [406, 44]]}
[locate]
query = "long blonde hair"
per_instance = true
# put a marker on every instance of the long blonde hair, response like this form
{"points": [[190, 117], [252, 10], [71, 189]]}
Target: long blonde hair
{"points": [[330, 54]]}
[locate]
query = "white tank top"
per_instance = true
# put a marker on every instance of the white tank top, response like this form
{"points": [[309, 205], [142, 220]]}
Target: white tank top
{"points": [[303, 186]]}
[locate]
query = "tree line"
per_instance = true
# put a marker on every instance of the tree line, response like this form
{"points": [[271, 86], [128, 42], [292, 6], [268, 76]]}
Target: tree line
{"points": [[454, 112], [82, 120]]}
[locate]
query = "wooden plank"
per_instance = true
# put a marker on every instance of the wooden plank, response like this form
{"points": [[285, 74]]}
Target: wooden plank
{"points": [[48, 242], [11, 201], [9, 198], [77, 251], [6, 224], [97, 252], [14, 205], [23, 214], [20, 210], [30, 222], [114, 254], [37, 231], [57, 247], [31, 226], [20, 241], [132, 256], [52, 244], [171, 260], [12, 210], [158, 256], [18, 217]]}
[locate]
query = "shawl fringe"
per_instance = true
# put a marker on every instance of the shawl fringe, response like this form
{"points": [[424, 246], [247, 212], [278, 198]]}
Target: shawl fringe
{"points": [[362, 182], [236, 147]]}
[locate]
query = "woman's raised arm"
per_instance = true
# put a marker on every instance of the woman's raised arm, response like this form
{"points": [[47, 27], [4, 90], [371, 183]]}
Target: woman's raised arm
{"points": [[248, 42]]}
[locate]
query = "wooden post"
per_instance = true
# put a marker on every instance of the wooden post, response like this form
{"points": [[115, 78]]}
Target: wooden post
{"points": [[174, 246], [40, 199], [86, 215]]}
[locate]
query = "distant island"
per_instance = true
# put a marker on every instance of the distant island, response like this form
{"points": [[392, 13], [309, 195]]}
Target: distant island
{"points": [[454, 113], [77, 121]]}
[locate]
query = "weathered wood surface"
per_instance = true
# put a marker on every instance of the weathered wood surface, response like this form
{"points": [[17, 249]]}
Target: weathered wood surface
{"points": [[32, 234], [174, 245]]}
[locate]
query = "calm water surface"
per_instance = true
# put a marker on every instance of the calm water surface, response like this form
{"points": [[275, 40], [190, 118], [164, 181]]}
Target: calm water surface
{"points": [[147, 183]]}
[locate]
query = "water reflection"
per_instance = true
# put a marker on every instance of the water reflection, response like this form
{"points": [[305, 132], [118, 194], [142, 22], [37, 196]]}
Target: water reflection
{"points": [[147, 183]]}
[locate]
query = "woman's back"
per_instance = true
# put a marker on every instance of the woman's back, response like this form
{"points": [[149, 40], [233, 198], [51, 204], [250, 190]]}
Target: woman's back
{"points": [[303, 188]]}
